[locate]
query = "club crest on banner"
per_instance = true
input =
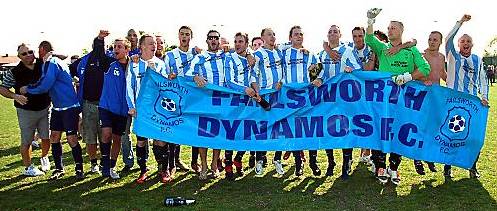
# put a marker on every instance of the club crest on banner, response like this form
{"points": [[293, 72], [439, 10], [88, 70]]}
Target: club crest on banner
{"points": [[168, 104], [457, 124]]}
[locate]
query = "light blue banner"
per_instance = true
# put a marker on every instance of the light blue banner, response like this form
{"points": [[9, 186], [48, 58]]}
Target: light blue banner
{"points": [[356, 110]]}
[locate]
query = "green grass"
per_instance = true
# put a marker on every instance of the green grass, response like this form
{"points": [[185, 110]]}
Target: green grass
{"points": [[360, 192]]}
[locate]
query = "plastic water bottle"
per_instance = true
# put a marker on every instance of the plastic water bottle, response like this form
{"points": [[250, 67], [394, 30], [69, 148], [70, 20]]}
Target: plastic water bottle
{"points": [[178, 201]]}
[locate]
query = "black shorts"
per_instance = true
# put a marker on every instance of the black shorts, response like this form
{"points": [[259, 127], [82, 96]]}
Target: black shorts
{"points": [[112, 120], [65, 120], [141, 138]]}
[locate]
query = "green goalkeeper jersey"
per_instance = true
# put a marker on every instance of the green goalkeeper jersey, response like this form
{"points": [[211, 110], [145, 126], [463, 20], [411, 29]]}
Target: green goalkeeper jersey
{"points": [[403, 61]]}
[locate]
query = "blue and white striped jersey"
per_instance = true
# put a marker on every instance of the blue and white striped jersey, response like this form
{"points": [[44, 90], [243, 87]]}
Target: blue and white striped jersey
{"points": [[269, 67], [179, 61], [331, 69], [239, 74], [297, 65], [464, 74], [284, 46], [210, 66], [362, 54], [134, 74]]}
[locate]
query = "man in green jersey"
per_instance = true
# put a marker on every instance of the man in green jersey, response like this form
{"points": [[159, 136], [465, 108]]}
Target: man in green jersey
{"points": [[403, 66]]}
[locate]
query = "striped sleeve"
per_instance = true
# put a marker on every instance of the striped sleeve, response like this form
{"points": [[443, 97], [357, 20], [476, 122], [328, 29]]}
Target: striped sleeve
{"points": [[313, 59], [229, 67], [452, 56], [166, 63], [256, 71], [162, 68], [483, 82], [8, 80], [194, 69], [130, 86], [351, 59], [283, 66], [253, 76], [449, 41]]}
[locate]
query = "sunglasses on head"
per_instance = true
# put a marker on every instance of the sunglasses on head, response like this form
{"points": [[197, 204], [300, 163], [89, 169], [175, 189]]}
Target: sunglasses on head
{"points": [[213, 38], [26, 53]]}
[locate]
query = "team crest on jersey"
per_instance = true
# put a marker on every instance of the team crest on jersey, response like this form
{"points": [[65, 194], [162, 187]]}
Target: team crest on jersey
{"points": [[296, 61], [457, 124], [168, 104], [274, 64], [467, 68]]}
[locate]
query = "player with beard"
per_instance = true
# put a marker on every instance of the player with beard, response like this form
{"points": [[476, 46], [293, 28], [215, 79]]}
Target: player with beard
{"points": [[208, 67]]}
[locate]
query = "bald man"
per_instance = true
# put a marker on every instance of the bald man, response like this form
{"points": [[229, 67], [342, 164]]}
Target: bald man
{"points": [[465, 73]]}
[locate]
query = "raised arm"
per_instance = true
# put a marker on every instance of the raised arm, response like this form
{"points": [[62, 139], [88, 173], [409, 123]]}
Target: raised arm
{"points": [[449, 40], [372, 13], [99, 50]]}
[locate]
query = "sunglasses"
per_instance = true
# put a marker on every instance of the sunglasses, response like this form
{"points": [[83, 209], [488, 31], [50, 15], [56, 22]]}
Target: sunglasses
{"points": [[26, 53], [213, 38]]}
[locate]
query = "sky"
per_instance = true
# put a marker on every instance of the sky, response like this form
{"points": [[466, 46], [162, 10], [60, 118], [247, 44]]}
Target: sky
{"points": [[71, 26]]}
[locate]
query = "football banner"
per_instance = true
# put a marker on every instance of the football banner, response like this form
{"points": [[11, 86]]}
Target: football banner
{"points": [[362, 109]]}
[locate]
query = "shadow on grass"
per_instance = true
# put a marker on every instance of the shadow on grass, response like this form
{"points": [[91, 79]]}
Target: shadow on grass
{"points": [[9, 151], [466, 193], [362, 191], [66, 156], [271, 191], [9, 181]]}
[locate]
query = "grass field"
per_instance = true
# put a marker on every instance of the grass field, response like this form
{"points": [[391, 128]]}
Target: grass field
{"points": [[360, 192]]}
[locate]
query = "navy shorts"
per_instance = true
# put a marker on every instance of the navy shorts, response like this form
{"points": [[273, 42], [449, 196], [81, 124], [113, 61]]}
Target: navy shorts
{"points": [[112, 120], [65, 120]]}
